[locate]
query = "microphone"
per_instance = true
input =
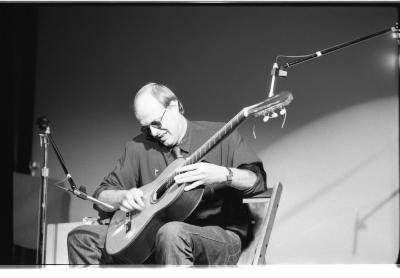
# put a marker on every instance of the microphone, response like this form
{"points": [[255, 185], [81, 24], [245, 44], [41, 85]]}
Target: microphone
{"points": [[43, 122]]}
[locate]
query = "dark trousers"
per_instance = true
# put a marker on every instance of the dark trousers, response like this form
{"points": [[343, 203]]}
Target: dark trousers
{"points": [[177, 243]]}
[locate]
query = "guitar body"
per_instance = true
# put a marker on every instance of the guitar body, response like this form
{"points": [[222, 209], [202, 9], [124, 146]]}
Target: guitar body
{"points": [[131, 236]]}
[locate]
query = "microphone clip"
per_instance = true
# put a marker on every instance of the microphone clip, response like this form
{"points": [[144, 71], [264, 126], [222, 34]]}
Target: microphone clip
{"points": [[275, 72], [396, 33], [278, 71]]}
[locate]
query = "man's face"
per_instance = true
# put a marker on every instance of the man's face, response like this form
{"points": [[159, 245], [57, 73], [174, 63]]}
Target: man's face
{"points": [[149, 110]]}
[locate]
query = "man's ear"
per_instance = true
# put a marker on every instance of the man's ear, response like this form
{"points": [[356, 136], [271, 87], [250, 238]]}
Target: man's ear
{"points": [[173, 105]]}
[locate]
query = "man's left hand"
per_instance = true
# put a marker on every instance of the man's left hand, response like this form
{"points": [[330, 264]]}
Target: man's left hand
{"points": [[201, 173]]}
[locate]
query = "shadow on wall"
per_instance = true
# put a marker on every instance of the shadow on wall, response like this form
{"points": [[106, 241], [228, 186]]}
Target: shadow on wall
{"points": [[341, 201]]}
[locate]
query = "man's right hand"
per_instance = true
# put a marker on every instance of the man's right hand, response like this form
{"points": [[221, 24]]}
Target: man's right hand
{"points": [[125, 200], [131, 199]]}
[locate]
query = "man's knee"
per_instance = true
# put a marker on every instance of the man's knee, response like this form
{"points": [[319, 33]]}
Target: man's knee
{"points": [[171, 234], [74, 237], [85, 235], [86, 243]]}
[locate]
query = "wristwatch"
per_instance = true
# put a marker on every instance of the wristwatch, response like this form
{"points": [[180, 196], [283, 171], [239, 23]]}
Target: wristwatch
{"points": [[229, 176]]}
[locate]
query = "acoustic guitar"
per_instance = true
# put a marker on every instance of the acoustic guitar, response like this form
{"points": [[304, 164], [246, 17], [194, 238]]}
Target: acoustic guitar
{"points": [[131, 235]]}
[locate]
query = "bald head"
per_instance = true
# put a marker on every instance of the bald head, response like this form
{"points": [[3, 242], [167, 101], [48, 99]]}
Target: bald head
{"points": [[159, 92], [156, 103]]}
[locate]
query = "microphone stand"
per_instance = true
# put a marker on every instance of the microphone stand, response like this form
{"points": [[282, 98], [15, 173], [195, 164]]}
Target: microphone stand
{"points": [[45, 138], [280, 71], [41, 242]]}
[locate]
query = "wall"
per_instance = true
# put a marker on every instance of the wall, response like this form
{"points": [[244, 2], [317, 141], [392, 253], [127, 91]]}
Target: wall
{"points": [[337, 154]]}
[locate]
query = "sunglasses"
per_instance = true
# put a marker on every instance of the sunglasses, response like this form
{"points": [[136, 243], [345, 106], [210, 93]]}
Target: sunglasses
{"points": [[156, 124]]}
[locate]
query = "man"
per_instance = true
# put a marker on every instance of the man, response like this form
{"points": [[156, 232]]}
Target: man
{"points": [[219, 227]]}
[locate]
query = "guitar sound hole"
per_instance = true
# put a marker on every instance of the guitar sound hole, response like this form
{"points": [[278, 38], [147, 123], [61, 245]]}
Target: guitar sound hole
{"points": [[159, 193]]}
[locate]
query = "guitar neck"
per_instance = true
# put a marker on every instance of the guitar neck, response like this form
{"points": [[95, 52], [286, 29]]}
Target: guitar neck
{"points": [[224, 132]]}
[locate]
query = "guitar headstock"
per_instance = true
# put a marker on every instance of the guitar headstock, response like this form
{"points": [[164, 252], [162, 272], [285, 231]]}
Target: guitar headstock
{"points": [[268, 107]]}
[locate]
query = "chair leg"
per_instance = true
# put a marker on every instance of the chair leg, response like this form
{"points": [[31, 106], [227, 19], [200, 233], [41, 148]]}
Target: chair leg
{"points": [[259, 257]]}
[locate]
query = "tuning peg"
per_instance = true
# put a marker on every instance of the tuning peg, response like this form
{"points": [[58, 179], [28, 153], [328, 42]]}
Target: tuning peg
{"points": [[283, 111], [266, 118], [274, 115]]}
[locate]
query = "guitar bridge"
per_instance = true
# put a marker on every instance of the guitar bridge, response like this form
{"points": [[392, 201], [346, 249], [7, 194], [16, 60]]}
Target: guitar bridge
{"points": [[128, 221]]}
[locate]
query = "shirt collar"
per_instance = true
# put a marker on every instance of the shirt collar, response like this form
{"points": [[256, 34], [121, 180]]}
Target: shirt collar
{"points": [[185, 144]]}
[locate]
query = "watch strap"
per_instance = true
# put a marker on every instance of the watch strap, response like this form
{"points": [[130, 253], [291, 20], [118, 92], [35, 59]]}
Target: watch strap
{"points": [[229, 176]]}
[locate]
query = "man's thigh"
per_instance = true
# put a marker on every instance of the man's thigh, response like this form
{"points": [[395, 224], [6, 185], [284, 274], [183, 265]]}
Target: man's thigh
{"points": [[215, 245], [207, 244]]}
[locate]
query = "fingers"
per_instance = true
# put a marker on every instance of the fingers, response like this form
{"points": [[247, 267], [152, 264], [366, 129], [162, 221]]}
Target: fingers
{"points": [[138, 197], [131, 200], [126, 206], [188, 173], [193, 185], [124, 209], [189, 177], [186, 168]]}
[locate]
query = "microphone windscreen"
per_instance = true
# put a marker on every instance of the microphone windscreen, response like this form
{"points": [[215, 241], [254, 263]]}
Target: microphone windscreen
{"points": [[42, 122]]}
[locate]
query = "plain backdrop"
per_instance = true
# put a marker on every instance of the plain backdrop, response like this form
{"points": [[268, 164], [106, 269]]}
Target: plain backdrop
{"points": [[337, 154]]}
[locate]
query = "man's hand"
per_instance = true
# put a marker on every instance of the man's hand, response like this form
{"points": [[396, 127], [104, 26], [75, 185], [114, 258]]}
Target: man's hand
{"points": [[129, 200], [201, 173]]}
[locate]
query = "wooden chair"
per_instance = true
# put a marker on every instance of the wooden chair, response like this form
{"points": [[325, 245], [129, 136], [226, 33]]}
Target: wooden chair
{"points": [[263, 208]]}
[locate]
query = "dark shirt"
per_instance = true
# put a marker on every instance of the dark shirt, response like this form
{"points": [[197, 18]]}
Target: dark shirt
{"points": [[145, 158]]}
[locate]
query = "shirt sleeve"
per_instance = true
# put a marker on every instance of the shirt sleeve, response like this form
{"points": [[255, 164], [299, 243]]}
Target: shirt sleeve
{"points": [[260, 185], [123, 176], [243, 157]]}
